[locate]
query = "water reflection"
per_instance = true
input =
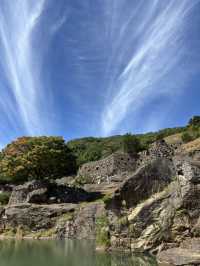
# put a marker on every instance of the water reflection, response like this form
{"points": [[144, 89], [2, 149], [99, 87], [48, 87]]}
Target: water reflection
{"points": [[64, 253]]}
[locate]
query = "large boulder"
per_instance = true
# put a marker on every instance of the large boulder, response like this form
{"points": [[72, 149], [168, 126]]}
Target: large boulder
{"points": [[147, 180], [30, 191], [82, 224], [35, 217]]}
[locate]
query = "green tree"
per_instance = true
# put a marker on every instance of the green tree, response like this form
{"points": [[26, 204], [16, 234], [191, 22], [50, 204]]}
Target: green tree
{"points": [[36, 158], [195, 121], [131, 144]]}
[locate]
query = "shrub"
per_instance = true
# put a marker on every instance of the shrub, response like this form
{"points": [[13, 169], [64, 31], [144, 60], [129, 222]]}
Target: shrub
{"points": [[4, 198], [131, 144], [82, 180], [186, 137], [107, 198], [92, 153], [160, 135], [102, 232]]}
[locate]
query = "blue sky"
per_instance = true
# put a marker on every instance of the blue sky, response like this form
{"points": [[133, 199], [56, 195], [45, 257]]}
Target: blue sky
{"points": [[97, 67]]}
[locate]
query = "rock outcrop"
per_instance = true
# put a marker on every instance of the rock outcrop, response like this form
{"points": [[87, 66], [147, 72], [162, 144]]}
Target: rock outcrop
{"points": [[81, 224], [187, 254], [158, 216], [147, 180], [30, 191], [39, 192], [31, 217]]}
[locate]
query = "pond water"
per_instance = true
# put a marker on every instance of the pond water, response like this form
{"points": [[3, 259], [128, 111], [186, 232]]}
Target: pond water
{"points": [[64, 253]]}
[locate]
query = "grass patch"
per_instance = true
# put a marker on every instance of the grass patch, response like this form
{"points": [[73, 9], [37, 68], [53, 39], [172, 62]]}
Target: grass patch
{"points": [[107, 198], [102, 232], [9, 232]]}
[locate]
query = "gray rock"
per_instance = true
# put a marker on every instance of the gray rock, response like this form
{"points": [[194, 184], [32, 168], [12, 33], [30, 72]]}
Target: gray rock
{"points": [[155, 213], [179, 257], [24, 193], [192, 244], [146, 181], [40, 192], [35, 217], [82, 224]]}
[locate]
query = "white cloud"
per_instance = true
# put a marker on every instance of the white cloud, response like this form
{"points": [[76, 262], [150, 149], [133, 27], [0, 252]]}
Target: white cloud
{"points": [[16, 28], [159, 47], [57, 26]]}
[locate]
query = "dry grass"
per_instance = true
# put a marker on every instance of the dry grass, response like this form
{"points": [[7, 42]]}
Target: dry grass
{"points": [[174, 139], [191, 146]]}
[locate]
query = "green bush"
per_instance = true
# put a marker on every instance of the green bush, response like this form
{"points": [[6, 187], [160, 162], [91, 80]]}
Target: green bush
{"points": [[186, 137], [4, 198], [92, 153], [92, 149], [36, 158], [107, 198], [131, 144], [160, 135]]}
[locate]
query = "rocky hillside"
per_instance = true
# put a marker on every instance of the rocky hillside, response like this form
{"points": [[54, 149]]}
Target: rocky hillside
{"points": [[146, 201]]}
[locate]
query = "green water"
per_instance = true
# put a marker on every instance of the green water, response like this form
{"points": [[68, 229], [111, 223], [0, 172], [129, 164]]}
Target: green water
{"points": [[64, 253]]}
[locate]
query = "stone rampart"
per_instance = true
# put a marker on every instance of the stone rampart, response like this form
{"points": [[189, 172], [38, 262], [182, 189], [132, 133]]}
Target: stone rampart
{"points": [[116, 163]]}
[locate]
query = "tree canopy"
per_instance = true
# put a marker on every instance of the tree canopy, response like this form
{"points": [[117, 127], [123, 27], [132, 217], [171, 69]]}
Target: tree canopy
{"points": [[36, 158]]}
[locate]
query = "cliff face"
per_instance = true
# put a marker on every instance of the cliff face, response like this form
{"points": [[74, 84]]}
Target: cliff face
{"points": [[151, 205]]}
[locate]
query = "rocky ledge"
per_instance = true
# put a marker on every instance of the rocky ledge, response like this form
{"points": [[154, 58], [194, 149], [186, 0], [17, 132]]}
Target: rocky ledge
{"points": [[152, 206], [187, 254]]}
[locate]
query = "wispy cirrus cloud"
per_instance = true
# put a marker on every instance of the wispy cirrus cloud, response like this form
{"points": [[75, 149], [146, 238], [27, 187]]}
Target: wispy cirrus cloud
{"points": [[57, 26], [156, 31], [25, 35], [18, 20]]}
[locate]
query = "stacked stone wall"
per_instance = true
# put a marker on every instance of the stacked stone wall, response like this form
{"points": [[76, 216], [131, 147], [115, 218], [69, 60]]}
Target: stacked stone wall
{"points": [[114, 164], [158, 149]]}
